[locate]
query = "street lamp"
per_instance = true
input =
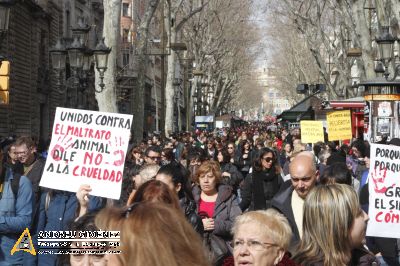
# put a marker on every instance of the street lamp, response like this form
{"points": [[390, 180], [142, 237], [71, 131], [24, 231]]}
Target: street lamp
{"points": [[58, 59], [79, 57], [101, 53], [81, 30], [75, 54], [385, 43]]}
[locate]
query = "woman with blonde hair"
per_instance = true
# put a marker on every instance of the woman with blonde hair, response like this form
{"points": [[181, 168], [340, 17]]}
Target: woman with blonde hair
{"points": [[152, 234], [261, 238], [334, 226]]}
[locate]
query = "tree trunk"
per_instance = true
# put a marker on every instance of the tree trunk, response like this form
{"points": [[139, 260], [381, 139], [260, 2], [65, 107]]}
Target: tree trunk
{"points": [[138, 109], [169, 87], [107, 100]]}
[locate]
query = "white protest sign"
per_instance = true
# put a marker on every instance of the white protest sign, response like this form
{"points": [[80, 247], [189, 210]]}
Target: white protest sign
{"points": [[384, 191], [87, 147]]}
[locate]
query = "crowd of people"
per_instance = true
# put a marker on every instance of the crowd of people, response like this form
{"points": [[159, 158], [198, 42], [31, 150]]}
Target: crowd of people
{"points": [[243, 196]]}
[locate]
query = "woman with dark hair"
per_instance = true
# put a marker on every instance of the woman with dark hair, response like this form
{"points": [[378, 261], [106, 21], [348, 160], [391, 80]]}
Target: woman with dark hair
{"points": [[167, 156], [128, 184], [261, 186], [230, 174], [231, 148], [135, 157], [245, 157], [175, 176], [337, 173], [94, 255]]}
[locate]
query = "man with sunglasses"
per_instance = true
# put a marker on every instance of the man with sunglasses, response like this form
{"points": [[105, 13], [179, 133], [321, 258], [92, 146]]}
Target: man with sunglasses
{"points": [[152, 155], [304, 176]]}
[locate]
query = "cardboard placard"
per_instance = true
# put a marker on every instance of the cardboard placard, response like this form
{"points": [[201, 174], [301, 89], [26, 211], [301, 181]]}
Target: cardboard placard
{"points": [[311, 131], [384, 191], [87, 147], [339, 125]]}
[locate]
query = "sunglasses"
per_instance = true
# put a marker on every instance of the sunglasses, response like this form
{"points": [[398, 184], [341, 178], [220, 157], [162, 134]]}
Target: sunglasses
{"points": [[268, 159]]}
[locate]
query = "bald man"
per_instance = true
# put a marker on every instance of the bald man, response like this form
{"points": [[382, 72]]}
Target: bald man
{"points": [[303, 177]]}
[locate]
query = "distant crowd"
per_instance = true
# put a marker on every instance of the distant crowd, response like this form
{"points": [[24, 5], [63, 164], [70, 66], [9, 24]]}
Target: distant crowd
{"points": [[243, 196]]}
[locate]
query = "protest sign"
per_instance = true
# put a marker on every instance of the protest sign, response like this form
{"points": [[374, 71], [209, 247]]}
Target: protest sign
{"points": [[384, 191], [339, 125], [311, 131], [87, 147]]}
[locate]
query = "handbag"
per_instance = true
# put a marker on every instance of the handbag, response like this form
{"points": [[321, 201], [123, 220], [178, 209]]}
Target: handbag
{"points": [[217, 248]]}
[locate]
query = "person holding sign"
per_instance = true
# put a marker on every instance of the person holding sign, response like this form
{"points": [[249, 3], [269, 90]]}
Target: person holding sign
{"points": [[59, 208]]}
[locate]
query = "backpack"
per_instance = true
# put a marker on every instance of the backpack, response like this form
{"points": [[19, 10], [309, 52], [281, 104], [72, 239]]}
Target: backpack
{"points": [[15, 184]]}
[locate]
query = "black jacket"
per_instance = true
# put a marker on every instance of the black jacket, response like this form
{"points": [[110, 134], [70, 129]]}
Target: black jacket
{"points": [[189, 208], [236, 176], [271, 183], [283, 203]]}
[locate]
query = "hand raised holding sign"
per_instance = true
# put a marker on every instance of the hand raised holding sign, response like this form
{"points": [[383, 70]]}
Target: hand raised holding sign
{"points": [[83, 198]]}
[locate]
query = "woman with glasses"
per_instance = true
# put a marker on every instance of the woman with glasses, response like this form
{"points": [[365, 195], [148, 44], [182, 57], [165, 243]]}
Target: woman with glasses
{"points": [[334, 228], [261, 238], [217, 205], [245, 158], [263, 183], [231, 151]]}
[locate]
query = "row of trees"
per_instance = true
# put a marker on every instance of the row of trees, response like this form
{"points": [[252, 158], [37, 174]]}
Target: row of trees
{"points": [[316, 41], [219, 35]]}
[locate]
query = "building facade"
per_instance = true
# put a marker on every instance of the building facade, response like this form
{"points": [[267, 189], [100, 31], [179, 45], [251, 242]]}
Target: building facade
{"points": [[34, 27]]}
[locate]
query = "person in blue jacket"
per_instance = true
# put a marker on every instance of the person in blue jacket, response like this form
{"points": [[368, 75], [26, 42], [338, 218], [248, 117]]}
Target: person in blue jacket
{"points": [[16, 199], [58, 209]]}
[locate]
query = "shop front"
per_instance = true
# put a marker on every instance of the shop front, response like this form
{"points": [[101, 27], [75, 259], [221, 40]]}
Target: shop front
{"points": [[356, 107], [382, 109]]}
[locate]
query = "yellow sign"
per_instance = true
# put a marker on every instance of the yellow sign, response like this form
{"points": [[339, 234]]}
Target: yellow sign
{"points": [[311, 131], [4, 83], [339, 125], [24, 243], [4, 97], [5, 68]]}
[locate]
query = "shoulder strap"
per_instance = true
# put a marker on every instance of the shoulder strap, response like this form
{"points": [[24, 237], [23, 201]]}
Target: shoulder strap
{"points": [[15, 183], [30, 167]]}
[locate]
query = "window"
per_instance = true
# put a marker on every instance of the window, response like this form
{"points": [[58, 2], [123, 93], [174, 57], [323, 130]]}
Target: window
{"points": [[125, 35], [125, 59], [125, 9]]}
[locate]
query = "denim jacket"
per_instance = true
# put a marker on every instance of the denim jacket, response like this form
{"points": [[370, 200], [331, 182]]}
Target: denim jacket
{"points": [[15, 216], [61, 212]]}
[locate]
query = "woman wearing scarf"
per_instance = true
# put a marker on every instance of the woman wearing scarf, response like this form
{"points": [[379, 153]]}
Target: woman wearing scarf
{"points": [[263, 183]]}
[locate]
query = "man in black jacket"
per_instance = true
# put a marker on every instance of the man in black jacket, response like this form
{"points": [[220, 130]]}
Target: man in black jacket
{"points": [[289, 202]]}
